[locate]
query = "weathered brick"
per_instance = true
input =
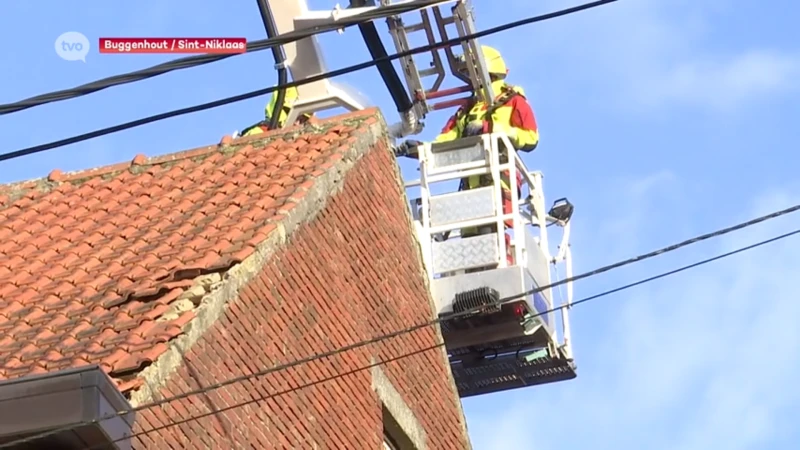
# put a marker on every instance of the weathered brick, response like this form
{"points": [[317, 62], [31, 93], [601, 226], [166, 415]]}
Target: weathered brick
{"points": [[350, 274]]}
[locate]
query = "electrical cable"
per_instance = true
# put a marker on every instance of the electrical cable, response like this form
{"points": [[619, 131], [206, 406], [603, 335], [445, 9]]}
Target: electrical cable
{"points": [[264, 91], [428, 323], [262, 397], [661, 251], [433, 347], [194, 61], [397, 90], [280, 61], [685, 268]]}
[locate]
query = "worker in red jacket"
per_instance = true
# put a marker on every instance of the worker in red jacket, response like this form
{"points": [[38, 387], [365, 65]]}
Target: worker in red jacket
{"points": [[511, 114]]}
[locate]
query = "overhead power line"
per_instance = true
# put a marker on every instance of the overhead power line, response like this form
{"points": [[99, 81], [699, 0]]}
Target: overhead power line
{"points": [[194, 61], [434, 347], [671, 248], [260, 92], [429, 323], [263, 397]]}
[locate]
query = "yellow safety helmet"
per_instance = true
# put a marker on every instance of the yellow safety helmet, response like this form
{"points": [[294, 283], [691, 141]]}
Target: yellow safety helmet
{"points": [[494, 60], [289, 100]]}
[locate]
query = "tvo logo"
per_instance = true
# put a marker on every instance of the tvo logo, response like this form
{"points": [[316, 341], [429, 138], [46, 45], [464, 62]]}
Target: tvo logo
{"points": [[72, 46]]}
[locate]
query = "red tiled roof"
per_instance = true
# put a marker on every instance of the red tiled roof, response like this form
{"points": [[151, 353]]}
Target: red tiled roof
{"points": [[90, 262]]}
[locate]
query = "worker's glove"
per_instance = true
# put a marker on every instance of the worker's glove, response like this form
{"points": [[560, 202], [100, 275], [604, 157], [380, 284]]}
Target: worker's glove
{"points": [[407, 148]]}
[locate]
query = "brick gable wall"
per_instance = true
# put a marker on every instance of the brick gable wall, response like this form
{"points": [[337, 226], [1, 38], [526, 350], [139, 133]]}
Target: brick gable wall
{"points": [[350, 274]]}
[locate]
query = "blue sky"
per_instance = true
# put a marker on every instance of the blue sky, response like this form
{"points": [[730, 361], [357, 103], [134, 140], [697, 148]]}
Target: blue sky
{"points": [[659, 120]]}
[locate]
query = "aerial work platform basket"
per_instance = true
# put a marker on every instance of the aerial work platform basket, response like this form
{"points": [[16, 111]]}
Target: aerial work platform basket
{"points": [[495, 282]]}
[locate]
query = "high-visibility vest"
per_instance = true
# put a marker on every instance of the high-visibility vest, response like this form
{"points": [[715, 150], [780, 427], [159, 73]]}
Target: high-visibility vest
{"points": [[481, 119], [511, 113], [261, 127], [478, 119]]}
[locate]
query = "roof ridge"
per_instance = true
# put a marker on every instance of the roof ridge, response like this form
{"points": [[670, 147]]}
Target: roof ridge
{"points": [[12, 191], [95, 272]]}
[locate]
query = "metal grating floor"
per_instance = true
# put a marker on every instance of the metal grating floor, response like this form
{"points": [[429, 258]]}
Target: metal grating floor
{"points": [[510, 372]]}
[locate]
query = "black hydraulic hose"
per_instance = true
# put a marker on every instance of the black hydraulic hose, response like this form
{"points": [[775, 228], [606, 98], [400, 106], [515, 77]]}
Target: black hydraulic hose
{"points": [[280, 59], [385, 67]]}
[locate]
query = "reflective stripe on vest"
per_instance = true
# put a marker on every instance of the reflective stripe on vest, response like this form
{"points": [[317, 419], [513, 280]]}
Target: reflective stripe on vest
{"points": [[475, 123]]}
